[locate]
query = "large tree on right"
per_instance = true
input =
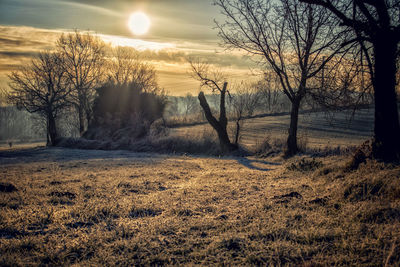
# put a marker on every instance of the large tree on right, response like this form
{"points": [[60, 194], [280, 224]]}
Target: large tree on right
{"points": [[376, 26]]}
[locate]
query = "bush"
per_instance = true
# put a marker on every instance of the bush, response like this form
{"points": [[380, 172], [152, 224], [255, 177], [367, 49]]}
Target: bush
{"points": [[124, 111], [362, 153]]}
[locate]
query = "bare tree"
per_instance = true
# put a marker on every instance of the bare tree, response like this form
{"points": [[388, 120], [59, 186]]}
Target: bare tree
{"points": [[190, 105], [83, 61], [286, 37], [126, 66], [214, 80], [376, 27], [343, 85], [41, 88], [269, 91], [244, 102]]}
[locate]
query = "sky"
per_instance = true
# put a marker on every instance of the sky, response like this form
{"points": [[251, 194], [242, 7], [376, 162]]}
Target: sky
{"points": [[179, 29]]}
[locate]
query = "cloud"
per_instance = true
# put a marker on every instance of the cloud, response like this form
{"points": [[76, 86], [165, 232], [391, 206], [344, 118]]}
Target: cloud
{"points": [[14, 54], [95, 8], [171, 19], [18, 45], [135, 43], [221, 60]]}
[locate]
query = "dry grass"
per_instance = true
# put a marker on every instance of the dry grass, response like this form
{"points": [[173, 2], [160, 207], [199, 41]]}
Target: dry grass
{"points": [[146, 209], [200, 143]]}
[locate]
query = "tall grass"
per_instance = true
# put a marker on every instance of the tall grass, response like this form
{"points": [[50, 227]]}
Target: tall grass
{"points": [[204, 142]]}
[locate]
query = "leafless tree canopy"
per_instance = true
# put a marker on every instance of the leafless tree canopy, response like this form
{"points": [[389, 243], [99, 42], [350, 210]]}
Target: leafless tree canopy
{"points": [[83, 56], [125, 66], [292, 39], [42, 87]]}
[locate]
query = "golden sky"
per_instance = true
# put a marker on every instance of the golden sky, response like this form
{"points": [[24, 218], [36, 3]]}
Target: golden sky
{"points": [[179, 29]]}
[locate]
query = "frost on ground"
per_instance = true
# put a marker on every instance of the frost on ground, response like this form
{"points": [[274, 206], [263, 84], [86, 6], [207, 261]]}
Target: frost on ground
{"points": [[316, 129], [65, 206]]}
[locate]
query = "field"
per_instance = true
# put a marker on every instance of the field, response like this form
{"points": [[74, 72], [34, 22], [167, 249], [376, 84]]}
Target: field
{"points": [[68, 206], [317, 130]]}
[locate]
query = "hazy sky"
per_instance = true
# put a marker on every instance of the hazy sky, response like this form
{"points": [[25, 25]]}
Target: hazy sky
{"points": [[179, 28]]}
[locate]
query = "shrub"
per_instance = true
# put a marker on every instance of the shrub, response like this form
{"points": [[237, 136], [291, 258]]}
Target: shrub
{"points": [[269, 147], [305, 165], [361, 154], [124, 111]]}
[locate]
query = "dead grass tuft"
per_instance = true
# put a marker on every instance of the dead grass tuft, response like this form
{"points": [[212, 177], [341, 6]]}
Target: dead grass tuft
{"points": [[373, 180], [144, 212], [361, 154], [269, 147], [305, 165]]}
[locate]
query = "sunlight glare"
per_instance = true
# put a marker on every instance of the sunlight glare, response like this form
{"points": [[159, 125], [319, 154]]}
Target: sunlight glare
{"points": [[139, 23]]}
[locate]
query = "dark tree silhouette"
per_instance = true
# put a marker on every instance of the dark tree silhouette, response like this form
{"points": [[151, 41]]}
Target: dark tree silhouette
{"points": [[118, 106], [130, 100], [214, 81], [376, 26], [83, 57], [291, 39], [41, 88]]}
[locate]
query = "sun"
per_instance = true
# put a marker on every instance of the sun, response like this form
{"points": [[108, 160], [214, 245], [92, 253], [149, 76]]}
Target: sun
{"points": [[139, 23]]}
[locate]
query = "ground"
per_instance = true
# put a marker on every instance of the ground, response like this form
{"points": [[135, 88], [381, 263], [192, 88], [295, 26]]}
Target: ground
{"points": [[67, 206]]}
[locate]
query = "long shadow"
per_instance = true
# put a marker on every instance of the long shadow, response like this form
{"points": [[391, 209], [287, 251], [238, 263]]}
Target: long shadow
{"points": [[55, 154], [249, 163]]}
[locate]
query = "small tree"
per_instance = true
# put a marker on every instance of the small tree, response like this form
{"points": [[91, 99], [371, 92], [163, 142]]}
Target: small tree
{"points": [[214, 80], [269, 91], [190, 105], [83, 61], [41, 88], [244, 102]]}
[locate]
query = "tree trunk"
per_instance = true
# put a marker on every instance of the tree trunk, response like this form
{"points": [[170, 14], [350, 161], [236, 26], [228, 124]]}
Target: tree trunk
{"points": [[81, 114], [47, 133], [386, 145], [88, 118], [220, 128], [292, 138], [237, 132], [51, 130], [223, 121]]}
